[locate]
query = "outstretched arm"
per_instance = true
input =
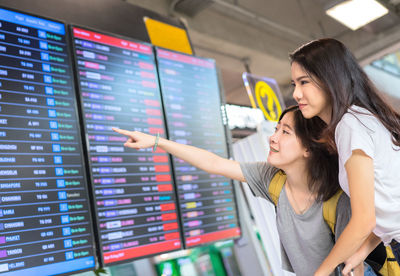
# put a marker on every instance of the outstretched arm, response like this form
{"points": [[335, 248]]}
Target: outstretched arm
{"points": [[360, 173], [197, 157]]}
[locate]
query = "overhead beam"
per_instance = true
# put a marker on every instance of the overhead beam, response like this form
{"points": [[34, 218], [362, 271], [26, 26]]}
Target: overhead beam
{"points": [[253, 16], [386, 43], [387, 4]]}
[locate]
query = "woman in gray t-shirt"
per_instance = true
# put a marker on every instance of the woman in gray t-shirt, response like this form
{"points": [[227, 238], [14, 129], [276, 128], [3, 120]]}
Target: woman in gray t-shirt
{"points": [[311, 179]]}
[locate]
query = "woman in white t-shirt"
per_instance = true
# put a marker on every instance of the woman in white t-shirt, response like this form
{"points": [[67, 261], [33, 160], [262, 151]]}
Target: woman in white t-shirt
{"points": [[365, 131]]}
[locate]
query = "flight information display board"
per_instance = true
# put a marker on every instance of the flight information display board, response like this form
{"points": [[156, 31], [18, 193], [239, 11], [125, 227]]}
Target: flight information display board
{"points": [[45, 223], [192, 106], [134, 195]]}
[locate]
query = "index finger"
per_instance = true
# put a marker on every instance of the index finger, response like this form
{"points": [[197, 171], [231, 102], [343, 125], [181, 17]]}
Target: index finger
{"points": [[122, 131]]}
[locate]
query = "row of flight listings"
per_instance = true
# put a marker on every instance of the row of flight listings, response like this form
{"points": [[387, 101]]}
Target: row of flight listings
{"points": [[143, 203]]}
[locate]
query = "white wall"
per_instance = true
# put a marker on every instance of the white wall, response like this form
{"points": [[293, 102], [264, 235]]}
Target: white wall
{"points": [[387, 83]]}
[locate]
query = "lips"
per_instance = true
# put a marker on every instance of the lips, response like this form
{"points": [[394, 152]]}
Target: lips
{"points": [[273, 150], [301, 106]]}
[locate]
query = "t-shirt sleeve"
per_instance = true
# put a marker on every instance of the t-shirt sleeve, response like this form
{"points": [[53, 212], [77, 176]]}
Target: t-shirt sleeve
{"points": [[343, 214], [258, 176], [352, 134]]}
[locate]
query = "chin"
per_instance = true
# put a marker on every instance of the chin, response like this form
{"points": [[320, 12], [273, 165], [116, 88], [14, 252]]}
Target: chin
{"points": [[307, 115], [271, 161]]}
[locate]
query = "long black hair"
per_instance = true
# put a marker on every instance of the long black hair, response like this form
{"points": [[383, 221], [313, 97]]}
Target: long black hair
{"points": [[322, 165], [332, 67]]}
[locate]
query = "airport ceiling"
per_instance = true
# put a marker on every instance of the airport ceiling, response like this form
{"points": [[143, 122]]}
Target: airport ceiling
{"points": [[258, 35]]}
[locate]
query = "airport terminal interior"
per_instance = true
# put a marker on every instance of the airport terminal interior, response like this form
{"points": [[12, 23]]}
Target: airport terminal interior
{"points": [[214, 74]]}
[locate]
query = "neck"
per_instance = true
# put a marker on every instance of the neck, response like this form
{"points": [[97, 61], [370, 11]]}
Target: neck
{"points": [[297, 178], [299, 195]]}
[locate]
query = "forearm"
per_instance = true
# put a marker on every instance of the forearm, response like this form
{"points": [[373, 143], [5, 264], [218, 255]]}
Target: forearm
{"points": [[360, 175], [351, 239], [369, 245], [357, 260], [202, 159], [197, 157]]}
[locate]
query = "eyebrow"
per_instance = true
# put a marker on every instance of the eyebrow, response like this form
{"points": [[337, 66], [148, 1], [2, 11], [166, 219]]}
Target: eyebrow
{"points": [[289, 127], [300, 78]]}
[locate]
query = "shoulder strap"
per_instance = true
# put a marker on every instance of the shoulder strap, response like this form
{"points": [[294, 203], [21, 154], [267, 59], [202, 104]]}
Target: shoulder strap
{"points": [[276, 185], [329, 210]]}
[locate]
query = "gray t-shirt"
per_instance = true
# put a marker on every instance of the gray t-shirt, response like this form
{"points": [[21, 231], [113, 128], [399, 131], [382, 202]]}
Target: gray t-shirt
{"points": [[306, 239]]}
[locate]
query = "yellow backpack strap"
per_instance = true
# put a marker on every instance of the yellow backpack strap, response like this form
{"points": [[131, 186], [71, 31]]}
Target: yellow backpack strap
{"points": [[276, 185], [329, 210], [390, 267]]}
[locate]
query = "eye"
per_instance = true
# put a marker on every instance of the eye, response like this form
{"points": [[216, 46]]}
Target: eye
{"points": [[276, 129], [292, 84], [285, 132], [303, 82]]}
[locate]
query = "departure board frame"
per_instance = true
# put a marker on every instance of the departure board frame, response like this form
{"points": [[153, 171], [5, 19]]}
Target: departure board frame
{"points": [[207, 238], [75, 262], [112, 40]]}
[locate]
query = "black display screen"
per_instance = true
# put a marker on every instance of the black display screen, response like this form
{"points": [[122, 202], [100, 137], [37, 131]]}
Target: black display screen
{"points": [[134, 194], [45, 223], [192, 106]]}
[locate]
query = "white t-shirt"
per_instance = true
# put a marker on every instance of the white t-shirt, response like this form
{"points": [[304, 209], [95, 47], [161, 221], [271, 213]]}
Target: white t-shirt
{"points": [[365, 132]]}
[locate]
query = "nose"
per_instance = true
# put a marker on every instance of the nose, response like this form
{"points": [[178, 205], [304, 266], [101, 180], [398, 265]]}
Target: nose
{"points": [[297, 94], [273, 138]]}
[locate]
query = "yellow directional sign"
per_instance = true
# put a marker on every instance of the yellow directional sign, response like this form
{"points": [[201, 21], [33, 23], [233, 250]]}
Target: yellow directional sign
{"points": [[264, 91], [264, 94]]}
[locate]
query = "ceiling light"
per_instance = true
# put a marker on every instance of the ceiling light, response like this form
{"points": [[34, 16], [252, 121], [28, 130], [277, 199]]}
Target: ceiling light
{"points": [[357, 13]]}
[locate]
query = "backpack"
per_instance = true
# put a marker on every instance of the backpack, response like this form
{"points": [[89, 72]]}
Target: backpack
{"points": [[381, 259]]}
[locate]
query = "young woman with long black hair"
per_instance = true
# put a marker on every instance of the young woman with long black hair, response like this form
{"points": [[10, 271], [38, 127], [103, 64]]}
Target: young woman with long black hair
{"points": [[365, 132]]}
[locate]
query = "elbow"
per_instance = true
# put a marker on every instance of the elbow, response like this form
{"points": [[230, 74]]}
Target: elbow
{"points": [[369, 228], [366, 224], [371, 224]]}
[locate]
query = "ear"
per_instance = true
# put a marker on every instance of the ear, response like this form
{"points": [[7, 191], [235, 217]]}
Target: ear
{"points": [[306, 153]]}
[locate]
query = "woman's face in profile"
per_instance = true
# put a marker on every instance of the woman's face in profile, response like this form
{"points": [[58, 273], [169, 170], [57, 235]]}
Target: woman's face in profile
{"points": [[286, 148], [312, 100]]}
